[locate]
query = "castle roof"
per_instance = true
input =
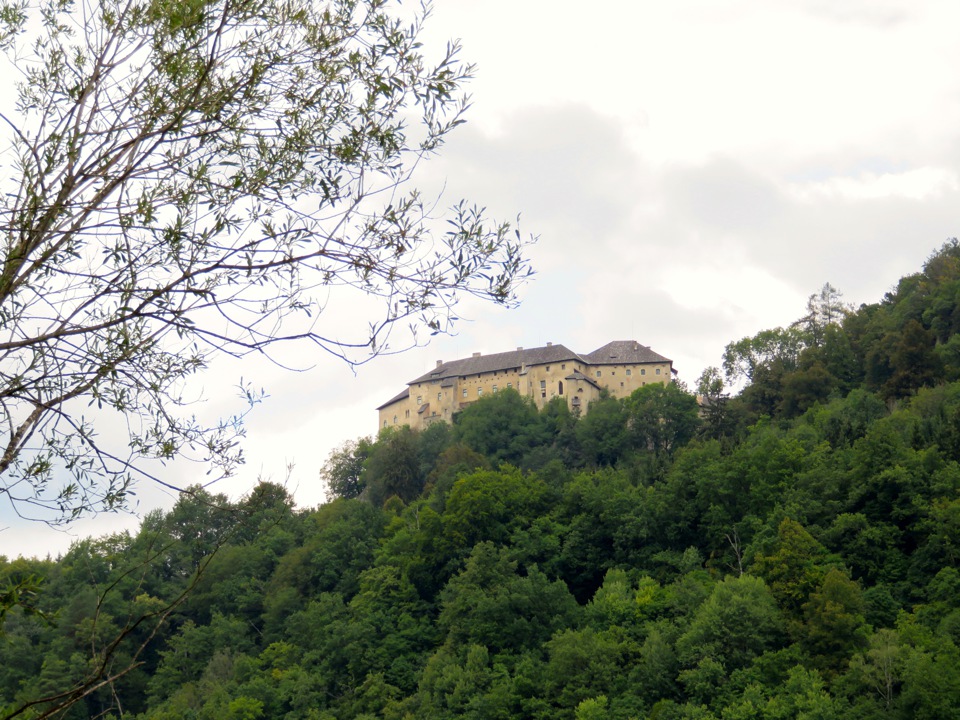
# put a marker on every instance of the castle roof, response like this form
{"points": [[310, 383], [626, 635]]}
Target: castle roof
{"points": [[623, 352], [577, 375], [511, 360]]}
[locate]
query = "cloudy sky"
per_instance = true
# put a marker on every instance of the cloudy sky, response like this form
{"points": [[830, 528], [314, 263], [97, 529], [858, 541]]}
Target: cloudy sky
{"points": [[694, 170]]}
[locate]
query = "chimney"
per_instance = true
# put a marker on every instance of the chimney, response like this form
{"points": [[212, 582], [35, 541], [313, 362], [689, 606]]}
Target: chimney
{"points": [[476, 355], [520, 349], [439, 363], [549, 344]]}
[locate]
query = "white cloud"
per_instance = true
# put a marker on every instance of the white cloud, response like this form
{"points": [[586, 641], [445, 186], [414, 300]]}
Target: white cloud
{"points": [[917, 184], [739, 292]]}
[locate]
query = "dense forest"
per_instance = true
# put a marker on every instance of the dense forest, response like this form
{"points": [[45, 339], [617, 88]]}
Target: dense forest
{"points": [[790, 551]]}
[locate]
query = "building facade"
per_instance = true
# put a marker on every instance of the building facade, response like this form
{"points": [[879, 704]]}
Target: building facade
{"points": [[541, 374]]}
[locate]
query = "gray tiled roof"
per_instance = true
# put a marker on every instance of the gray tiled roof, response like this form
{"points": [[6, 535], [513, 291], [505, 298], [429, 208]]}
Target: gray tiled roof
{"points": [[499, 361], [623, 352], [577, 375]]}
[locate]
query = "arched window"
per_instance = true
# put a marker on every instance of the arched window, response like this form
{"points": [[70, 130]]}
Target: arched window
{"points": [[560, 390]]}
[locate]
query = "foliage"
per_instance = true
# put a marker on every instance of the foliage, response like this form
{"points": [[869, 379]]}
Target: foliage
{"points": [[343, 471], [662, 418], [806, 566], [502, 426]]}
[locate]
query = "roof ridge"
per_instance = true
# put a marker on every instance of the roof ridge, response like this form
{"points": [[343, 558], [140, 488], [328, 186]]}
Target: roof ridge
{"points": [[479, 363]]}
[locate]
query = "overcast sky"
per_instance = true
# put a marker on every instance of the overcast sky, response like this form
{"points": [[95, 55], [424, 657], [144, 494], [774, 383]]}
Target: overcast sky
{"points": [[694, 170]]}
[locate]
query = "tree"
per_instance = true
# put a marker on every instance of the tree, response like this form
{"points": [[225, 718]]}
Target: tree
{"points": [[795, 568], [342, 473], [745, 358], [192, 179], [393, 467], [738, 622], [492, 505], [503, 427], [719, 419], [662, 418], [824, 309], [491, 603], [834, 625], [710, 384], [914, 361], [602, 432], [804, 388]]}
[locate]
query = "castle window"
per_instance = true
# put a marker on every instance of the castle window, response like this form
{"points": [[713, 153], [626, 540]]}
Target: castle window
{"points": [[495, 389], [407, 413], [598, 373], [543, 388], [394, 419], [419, 399], [613, 372], [439, 396], [621, 384], [464, 392], [658, 371], [563, 367], [643, 371], [629, 372], [560, 390], [384, 423], [509, 386], [548, 368], [479, 392]]}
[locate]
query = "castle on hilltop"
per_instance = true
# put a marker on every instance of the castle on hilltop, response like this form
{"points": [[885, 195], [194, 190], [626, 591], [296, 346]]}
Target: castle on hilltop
{"points": [[539, 373]]}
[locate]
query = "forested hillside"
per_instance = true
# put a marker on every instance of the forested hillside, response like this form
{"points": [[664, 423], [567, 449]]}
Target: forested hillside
{"points": [[789, 552]]}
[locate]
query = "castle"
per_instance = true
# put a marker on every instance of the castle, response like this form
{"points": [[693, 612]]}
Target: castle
{"points": [[540, 373]]}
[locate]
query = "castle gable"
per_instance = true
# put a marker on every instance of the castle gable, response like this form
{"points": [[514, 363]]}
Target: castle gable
{"points": [[402, 395]]}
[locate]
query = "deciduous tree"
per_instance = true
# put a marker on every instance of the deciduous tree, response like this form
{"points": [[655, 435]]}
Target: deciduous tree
{"points": [[190, 179]]}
